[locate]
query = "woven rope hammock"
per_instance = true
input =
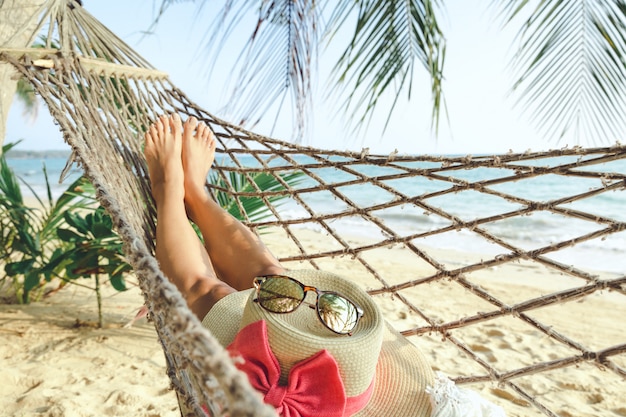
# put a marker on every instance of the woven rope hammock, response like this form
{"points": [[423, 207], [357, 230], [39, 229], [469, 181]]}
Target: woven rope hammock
{"points": [[103, 95]]}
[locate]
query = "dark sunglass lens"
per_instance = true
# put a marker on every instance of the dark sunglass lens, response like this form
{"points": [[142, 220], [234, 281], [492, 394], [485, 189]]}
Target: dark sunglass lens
{"points": [[339, 314], [280, 295]]}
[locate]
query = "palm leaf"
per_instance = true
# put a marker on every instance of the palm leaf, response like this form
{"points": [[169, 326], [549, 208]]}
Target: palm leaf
{"points": [[390, 38], [572, 67], [276, 60], [234, 192]]}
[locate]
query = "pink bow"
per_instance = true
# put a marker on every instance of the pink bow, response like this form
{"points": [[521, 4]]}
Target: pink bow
{"points": [[314, 386]]}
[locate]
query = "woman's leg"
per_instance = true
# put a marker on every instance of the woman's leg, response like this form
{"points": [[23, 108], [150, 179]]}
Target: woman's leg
{"points": [[178, 249], [237, 254]]}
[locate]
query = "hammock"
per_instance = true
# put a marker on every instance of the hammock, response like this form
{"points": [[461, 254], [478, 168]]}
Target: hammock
{"points": [[103, 95]]}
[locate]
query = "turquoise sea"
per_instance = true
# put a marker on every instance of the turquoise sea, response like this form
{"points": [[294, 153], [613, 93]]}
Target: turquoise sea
{"points": [[30, 170], [528, 232]]}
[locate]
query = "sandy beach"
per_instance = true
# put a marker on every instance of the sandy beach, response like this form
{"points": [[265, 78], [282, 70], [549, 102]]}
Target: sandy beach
{"points": [[56, 363]]}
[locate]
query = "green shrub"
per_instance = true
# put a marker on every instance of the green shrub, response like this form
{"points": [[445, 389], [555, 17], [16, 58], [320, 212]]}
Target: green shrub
{"points": [[30, 247]]}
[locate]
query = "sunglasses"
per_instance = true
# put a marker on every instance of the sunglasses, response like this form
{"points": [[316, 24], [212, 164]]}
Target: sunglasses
{"points": [[282, 294]]}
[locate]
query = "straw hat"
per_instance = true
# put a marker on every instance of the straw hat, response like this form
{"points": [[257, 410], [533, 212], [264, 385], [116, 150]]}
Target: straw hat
{"points": [[375, 363]]}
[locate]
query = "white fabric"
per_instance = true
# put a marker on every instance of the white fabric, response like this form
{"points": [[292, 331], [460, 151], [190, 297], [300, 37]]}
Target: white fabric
{"points": [[448, 400]]}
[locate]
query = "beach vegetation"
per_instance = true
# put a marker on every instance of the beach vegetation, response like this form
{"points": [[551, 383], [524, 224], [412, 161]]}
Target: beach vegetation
{"points": [[94, 250], [249, 207], [30, 244], [568, 64]]}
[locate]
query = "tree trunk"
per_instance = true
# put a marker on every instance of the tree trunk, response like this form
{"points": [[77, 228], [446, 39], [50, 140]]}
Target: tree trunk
{"points": [[18, 20]]}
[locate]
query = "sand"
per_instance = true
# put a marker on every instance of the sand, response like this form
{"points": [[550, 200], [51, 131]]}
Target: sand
{"points": [[56, 363]]}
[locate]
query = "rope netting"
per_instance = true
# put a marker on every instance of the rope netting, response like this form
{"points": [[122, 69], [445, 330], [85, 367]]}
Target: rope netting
{"points": [[507, 271]]}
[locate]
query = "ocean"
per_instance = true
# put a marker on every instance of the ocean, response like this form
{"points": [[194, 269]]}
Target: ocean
{"points": [[30, 170], [527, 232]]}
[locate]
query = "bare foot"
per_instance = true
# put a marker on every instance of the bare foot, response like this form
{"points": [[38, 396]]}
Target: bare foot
{"points": [[163, 150], [198, 155]]}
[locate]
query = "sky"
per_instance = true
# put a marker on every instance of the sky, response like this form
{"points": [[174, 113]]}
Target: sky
{"points": [[482, 115]]}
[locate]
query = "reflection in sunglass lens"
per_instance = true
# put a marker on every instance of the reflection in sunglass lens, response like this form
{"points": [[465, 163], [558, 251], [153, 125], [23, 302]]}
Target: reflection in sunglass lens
{"points": [[339, 314], [280, 295]]}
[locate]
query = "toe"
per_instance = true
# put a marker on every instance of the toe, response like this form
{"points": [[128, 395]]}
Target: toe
{"points": [[159, 127], [154, 131], [189, 127], [209, 135], [201, 131], [176, 124], [191, 123]]}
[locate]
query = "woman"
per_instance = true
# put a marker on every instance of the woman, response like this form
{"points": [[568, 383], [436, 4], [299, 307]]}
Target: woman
{"points": [[336, 359]]}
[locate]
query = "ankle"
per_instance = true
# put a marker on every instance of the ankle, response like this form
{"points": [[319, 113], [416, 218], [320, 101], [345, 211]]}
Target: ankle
{"points": [[196, 201], [167, 190]]}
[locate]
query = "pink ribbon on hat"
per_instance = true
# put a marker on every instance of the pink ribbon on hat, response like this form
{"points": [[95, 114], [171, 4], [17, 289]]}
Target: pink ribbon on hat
{"points": [[314, 385]]}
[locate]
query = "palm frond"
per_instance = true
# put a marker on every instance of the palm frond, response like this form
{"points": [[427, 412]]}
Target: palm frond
{"points": [[572, 67], [275, 62], [236, 191], [390, 38]]}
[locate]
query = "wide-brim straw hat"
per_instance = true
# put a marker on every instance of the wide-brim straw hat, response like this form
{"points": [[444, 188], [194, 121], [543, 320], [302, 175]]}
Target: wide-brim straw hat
{"points": [[375, 352]]}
